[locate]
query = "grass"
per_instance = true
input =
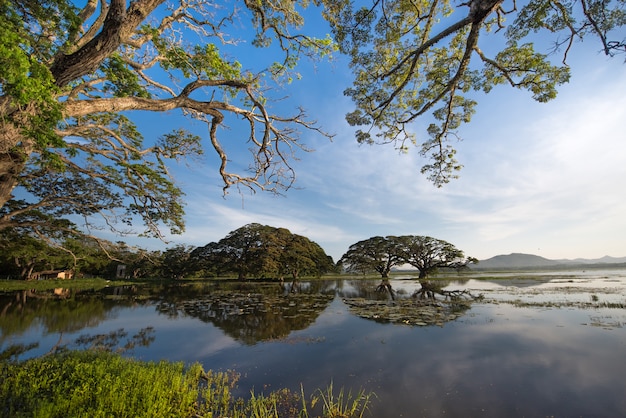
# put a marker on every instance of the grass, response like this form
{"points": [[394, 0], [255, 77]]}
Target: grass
{"points": [[78, 284], [343, 404], [87, 383], [103, 384], [100, 283]]}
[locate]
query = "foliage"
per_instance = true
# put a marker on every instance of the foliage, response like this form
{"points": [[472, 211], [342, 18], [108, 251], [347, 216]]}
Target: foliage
{"points": [[253, 250], [263, 251], [429, 254], [381, 254], [83, 383], [99, 384], [176, 262], [140, 263], [373, 254], [73, 81], [38, 242], [414, 58]]}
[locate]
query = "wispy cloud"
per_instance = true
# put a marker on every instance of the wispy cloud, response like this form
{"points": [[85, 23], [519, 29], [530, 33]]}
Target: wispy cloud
{"points": [[535, 175]]}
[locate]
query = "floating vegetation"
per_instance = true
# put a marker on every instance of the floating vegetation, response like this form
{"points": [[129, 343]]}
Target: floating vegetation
{"points": [[299, 340], [252, 317], [421, 309], [409, 311], [605, 322], [562, 304]]}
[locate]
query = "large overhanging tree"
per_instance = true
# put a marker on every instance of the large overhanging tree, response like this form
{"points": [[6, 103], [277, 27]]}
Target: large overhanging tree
{"points": [[415, 59], [71, 80]]}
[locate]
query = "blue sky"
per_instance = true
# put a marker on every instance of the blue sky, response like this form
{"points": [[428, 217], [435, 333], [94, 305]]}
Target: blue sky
{"points": [[545, 179]]}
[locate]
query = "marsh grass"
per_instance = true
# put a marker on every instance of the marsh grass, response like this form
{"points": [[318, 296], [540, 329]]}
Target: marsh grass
{"points": [[342, 404], [97, 383]]}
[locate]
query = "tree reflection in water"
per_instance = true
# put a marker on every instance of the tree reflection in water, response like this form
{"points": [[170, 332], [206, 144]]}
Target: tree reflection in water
{"points": [[385, 287], [501, 370], [249, 312], [63, 311], [422, 308], [259, 314]]}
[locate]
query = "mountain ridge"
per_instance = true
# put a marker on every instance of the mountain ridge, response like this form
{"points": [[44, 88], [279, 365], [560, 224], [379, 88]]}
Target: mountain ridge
{"points": [[521, 260]]}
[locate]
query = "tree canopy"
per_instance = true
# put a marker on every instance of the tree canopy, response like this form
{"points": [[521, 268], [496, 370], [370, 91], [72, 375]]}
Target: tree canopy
{"points": [[373, 254], [428, 254], [418, 59], [381, 254], [263, 251], [71, 79]]}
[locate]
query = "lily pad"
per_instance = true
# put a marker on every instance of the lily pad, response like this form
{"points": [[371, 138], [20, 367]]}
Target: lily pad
{"points": [[408, 311]]}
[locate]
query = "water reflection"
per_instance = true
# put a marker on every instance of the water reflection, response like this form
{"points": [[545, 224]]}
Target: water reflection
{"points": [[53, 311], [29, 317], [429, 304], [545, 347], [251, 317]]}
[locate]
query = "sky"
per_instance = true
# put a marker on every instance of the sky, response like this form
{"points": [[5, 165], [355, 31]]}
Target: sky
{"points": [[545, 179]]}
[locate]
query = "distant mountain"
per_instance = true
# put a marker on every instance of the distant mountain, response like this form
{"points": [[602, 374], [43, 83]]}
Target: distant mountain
{"points": [[603, 260], [518, 260]]}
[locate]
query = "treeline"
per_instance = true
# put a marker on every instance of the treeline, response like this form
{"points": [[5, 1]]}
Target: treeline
{"points": [[252, 251]]}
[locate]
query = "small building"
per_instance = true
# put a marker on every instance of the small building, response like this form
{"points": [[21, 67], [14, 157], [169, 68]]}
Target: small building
{"points": [[120, 272], [53, 274]]}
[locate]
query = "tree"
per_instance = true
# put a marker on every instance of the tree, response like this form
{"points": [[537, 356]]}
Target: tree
{"points": [[381, 254], [176, 262], [71, 80], [263, 251], [208, 260], [300, 255], [377, 254], [429, 254], [414, 58], [19, 258], [37, 241], [137, 262], [244, 251]]}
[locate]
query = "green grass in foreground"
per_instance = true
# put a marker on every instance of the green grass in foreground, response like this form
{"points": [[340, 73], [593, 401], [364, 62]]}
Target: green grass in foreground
{"points": [[103, 384]]}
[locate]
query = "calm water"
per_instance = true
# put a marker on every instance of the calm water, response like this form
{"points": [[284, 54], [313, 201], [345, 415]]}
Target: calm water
{"points": [[537, 345]]}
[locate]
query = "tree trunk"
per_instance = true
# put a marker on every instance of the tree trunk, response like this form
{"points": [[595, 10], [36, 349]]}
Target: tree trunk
{"points": [[119, 25], [11, 165], [385, 286], [14, 148]]}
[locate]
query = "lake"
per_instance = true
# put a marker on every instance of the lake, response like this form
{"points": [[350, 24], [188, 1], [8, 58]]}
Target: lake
{"points": [[531, 344]]}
